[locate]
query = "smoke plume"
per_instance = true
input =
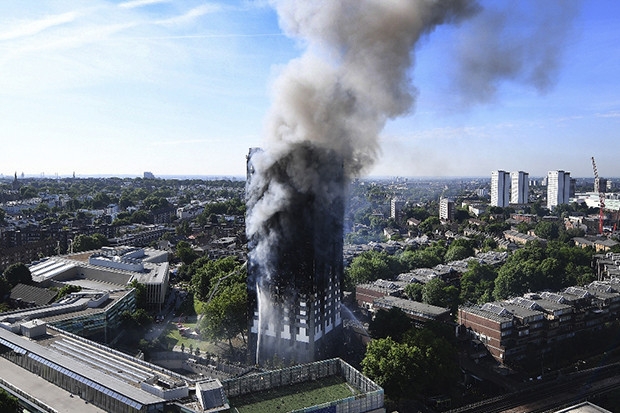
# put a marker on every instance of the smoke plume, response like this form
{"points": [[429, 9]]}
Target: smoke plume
{"points": [[521, 42], [350, 80], [329, 106]]}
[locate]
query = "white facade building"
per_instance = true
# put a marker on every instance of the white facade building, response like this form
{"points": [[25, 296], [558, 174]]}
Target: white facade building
{"points": [[519, 187], [558, 188], [446, 209], [500, 188]]}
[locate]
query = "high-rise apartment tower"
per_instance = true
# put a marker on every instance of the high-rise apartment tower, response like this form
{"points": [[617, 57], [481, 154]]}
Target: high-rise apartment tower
{"points": [[558, 188], [500, 188], [446, 209], [295, 263], [519, 187]]}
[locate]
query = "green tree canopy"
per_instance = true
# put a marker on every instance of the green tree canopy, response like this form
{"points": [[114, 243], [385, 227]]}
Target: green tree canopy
{"points": [[547, 230], [538, 267], [214, 275], [477, 283], [437, 292], [423, 363], [17, 273], [457, 252], [424, 257], [392, 365], [84, 242], [9, 403], [429, 224], [140, 294], [370, 266], [226, 315], [389, 323], [414, 291], [185, 252]]}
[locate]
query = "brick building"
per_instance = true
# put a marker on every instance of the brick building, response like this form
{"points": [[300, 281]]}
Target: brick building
{"points": [[527, 326]]}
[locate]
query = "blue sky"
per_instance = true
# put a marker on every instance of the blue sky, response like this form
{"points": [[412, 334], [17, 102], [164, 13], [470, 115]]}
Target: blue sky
{"points": [[183, 88]]}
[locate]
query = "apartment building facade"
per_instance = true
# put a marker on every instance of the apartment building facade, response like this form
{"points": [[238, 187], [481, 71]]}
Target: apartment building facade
{"points": [[525, 327], [558, 188], [519, 187], [500, 188]]}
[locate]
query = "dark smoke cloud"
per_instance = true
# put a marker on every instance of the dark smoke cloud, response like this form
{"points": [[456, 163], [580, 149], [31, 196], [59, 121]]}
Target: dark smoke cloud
{"points": [[521, 42]]}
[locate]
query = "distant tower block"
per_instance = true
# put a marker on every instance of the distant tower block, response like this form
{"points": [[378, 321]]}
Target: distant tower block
{"points": [[446, 209], [500, 188], [396, 208], [519, 187], [294, 286], [600, 185], [558, 188]]}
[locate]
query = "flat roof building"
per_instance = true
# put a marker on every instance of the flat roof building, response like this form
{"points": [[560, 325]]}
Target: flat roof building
{"points": [[110, 269]]}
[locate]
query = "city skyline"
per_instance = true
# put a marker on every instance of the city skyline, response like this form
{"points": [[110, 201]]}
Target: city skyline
{"points": [[119, 88]]}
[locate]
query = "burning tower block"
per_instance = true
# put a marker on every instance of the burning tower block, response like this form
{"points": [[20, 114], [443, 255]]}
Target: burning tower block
{"points": [[295, 204]]}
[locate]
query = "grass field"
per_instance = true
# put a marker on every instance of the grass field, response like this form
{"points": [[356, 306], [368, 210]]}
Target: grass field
{"points": [[171, 338], [287, 398]]}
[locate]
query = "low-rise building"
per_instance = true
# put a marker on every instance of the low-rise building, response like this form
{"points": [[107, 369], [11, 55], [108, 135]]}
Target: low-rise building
{"points": [[115, 267], [526, 326], [421, 313], [365, 294]]}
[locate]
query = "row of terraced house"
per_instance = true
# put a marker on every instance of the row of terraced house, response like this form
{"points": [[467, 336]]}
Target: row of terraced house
{"points": [[530, 325]]}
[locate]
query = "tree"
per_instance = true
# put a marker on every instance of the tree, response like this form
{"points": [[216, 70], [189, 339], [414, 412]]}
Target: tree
{"points": [[370, 266], [215, 275], [515, 279], [457, 252], [433, 292], [142, 217], [9, 403], [184, 229], [438, 359], [5, 288], [547, 230], [84, 242], [185, 252], [27, 192], [17, 273], [461, 214], [489, 244], [429, 224], [477, 283], [140, 294], [66, 290], [225, 315], [423, 258], [389, 323], [424, 362], [414, 291], [391, 365]]}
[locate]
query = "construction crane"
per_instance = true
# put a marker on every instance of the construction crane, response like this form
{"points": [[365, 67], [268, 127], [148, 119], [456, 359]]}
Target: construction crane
{"points": [[601, 199]]}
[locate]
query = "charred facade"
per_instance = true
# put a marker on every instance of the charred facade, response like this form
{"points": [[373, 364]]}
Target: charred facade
{"points": [[295, 255]]}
